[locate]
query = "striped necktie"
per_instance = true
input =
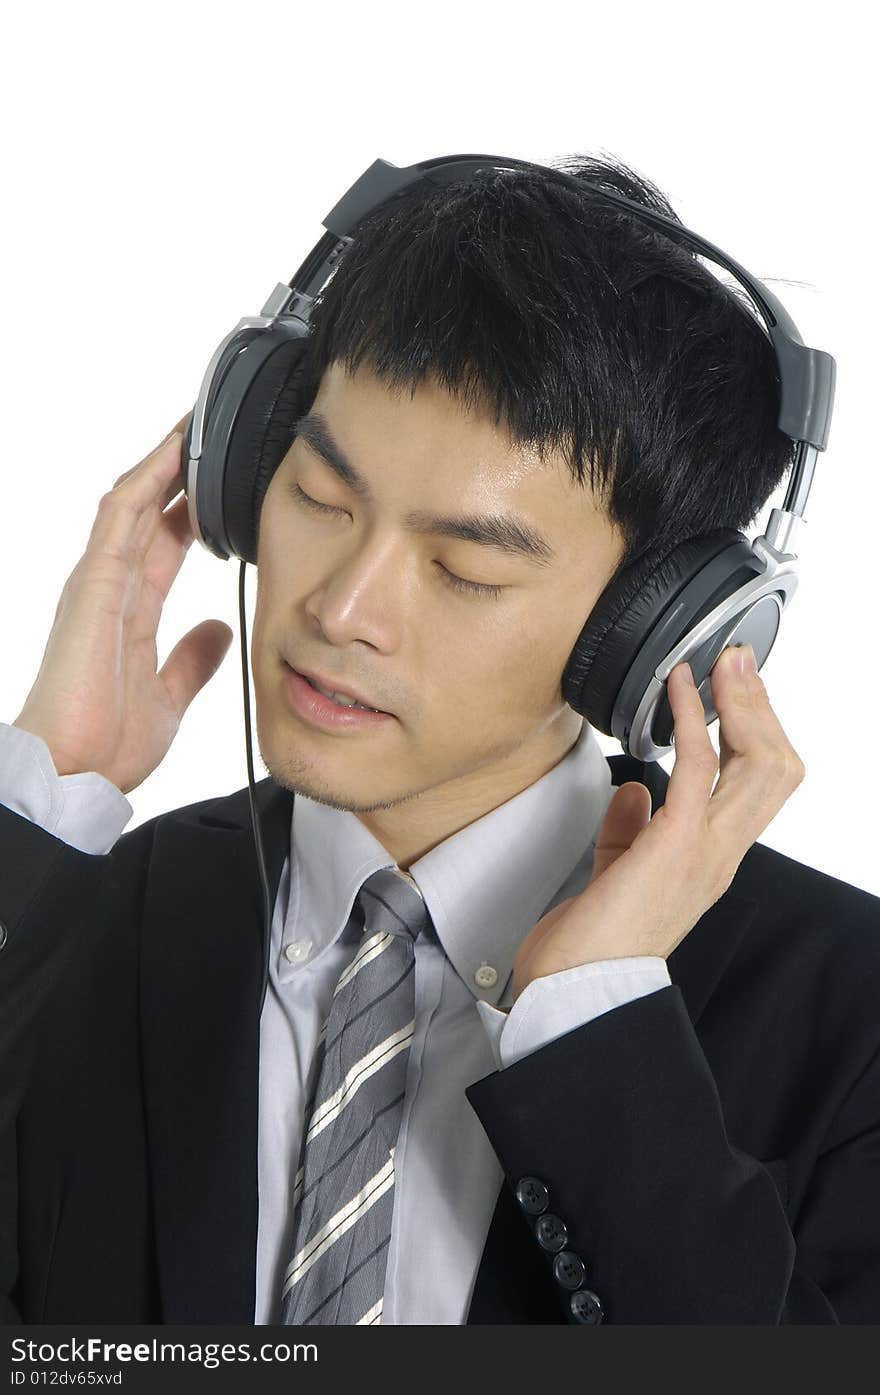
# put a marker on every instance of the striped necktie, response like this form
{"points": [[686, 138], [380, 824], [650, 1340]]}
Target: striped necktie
{"points": [[344, 1188]]}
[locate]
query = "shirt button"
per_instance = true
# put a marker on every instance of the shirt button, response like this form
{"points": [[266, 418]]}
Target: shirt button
{"points": [[486, 976], [297, 951]]}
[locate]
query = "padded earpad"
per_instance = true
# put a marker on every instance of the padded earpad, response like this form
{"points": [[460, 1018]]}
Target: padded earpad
{"points": [[259, 441], [624, 615]]}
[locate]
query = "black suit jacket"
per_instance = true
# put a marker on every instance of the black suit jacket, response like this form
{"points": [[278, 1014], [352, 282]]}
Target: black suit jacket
{"points": [[712, 1149]]}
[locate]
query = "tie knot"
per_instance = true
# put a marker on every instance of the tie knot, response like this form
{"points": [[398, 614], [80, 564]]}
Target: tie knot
{"points": [[391, 905]]}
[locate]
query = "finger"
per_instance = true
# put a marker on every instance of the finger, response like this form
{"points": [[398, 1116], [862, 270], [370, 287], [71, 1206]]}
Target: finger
{"points": [[696, 761], [157, 572], [180, 426], [628, 813], [194, 660], [168, 548], [151, 520], [761, 767], [740, 699], [121, 509], [148, 523]]}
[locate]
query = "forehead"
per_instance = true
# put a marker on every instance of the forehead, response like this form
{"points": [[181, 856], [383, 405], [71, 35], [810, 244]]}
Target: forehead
{"points": [[425, 444]]}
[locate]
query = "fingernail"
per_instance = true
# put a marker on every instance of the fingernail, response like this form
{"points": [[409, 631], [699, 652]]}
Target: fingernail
{"points": [[688, 675], [746, 655]]}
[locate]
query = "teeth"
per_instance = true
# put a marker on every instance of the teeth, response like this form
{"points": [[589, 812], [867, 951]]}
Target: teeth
{"points": [[341, 698]]}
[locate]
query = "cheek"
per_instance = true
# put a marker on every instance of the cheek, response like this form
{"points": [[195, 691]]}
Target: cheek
{"points": [[526, 667], [289, 556], [510, 661]]}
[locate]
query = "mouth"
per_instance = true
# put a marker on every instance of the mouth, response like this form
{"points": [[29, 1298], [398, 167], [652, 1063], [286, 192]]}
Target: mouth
{"points": [[329, 696]]}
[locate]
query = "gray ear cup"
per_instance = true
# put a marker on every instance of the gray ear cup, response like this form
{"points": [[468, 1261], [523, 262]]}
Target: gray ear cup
{"points": [[623, 617], [260, 439]]}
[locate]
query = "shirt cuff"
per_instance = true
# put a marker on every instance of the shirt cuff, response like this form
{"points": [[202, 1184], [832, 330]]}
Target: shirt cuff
{"points": [[85, 811], [557, 1003]]}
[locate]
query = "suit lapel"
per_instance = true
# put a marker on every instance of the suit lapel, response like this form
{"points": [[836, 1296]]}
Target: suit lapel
{"points": [[201, 967]]}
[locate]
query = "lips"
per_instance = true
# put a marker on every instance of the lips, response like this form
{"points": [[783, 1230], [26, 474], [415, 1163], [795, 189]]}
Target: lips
{"points": [[334, 685]]}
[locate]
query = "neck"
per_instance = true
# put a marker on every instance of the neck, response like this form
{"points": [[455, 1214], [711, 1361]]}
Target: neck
{"points": [[410, 829]]}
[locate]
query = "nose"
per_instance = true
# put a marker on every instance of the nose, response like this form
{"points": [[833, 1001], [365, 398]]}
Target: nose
{"points": [[361, 596]]}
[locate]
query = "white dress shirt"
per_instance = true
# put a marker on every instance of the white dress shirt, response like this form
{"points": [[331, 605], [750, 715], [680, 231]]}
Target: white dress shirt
{"points": [[485, 888]]}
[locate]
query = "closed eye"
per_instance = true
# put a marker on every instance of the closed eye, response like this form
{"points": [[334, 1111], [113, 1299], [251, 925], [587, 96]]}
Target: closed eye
{"points": [[479, 588], [312, 503], [458, 583]]}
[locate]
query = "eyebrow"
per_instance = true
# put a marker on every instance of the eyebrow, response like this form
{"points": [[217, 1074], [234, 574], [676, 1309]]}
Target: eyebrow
{"points": [[500, 531]]}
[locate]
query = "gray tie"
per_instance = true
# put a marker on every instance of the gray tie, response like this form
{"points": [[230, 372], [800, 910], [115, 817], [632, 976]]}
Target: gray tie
{"points": [[344, 1189]]}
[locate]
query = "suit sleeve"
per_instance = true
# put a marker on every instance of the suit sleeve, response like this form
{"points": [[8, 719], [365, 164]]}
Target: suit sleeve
{"points": [[47, 888], [620, 1120]]}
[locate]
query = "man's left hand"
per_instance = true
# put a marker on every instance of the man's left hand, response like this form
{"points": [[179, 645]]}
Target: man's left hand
{"points": [[654, 877]]}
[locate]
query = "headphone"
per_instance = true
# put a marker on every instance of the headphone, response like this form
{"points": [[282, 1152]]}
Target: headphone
{"points": [[684, 602]]}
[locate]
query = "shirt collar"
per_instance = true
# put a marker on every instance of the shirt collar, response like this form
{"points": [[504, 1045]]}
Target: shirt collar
{"points": [[485, 886]]}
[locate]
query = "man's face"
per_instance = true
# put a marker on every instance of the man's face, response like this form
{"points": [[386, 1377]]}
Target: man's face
{"points": [[361, 596]]}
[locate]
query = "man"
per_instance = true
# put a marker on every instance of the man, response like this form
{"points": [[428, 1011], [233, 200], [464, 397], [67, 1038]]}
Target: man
{"points": [[642, 1080]]}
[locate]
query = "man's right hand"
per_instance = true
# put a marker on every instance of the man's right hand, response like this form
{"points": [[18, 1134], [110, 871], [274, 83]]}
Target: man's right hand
{"points": [[98, 701]]}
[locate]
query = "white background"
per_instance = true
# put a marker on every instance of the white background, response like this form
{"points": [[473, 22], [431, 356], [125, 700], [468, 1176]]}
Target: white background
{"points": [[166, 166]]}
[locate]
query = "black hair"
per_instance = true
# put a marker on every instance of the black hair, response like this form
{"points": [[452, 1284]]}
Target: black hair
{"points": [[578, 326]]}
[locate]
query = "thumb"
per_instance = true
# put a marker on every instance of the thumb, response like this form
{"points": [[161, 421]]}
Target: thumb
{"points": [[627, 814], [194, 660]]}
